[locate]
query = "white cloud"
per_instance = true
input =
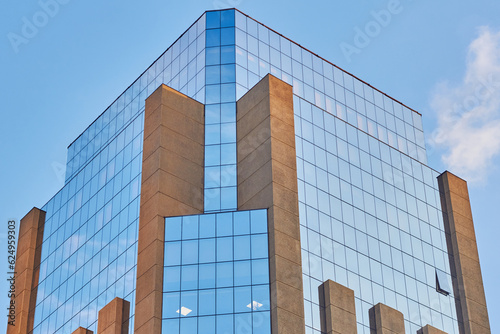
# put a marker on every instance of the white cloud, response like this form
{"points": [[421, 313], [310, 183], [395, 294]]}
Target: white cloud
{"points": [[468, 113]]}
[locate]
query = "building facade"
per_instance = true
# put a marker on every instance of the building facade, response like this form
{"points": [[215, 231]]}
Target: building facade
{"points": [[243, 184]]}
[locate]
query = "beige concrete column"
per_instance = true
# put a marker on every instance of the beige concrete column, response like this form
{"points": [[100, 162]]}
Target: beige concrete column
{"points": [[114, 317], [428, 329], [386, 320], [472, 312], [338, 309], [267, 178], [27, 270], [172, 185], [81, 330]]}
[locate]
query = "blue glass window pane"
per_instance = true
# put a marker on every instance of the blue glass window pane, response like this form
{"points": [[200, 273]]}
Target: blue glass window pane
{"points": [[224, 274], [227, 18], [207, 250], [259, 246], [260, 272], [214, 37], [242, 299], [228, 198], [212, 114], [241, 222], [171, 279], [212, 199], [189, 276], [189, 252], [228, 133], [190, 227], [253, 67], [189, 325], [213, 74], [207, 226], [224, 301], [227, 73], [173, 253], [224, 249], [212, 94], [242, 248], [207, 302], [212, 135], [206, 323], [227, 55], [207, 276], [172, 229], [262, 322], [228, 112], [253, 45], [189, 304], [170, 326], [228, 92], [227, 36], [225, 324], [258, 221], [228, 154], [228, 178], [224, 224], [213, 19], [171, 304], [213, 55], [212, 177], [263, 34], [242, 60], [243, 323], [212, 155], [443, 285], [242, 273], [260, 295]]}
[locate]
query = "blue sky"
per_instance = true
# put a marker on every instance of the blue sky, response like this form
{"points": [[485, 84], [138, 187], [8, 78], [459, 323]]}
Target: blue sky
{"points": [[440, 58]]}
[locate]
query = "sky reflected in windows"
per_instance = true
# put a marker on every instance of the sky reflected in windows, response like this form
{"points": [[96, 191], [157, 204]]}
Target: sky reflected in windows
{"points": [[216, 273]]}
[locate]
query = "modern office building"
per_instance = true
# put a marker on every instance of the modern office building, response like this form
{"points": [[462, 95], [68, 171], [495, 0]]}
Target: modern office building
{"points": [[243, 184]]}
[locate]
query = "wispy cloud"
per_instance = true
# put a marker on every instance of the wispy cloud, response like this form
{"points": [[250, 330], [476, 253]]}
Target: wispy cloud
{"points": [[468, 113]]}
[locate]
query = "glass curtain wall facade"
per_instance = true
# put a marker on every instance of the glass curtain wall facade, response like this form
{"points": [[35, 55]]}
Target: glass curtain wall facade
{"points": [[216, 276], [370, 211], [220, 112], [369, 205], [89, 253]]}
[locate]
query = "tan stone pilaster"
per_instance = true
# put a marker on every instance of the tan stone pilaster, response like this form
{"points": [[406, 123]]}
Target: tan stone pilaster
{"points": [[114, 317], [472, 312], [386, 320], [428, 329], [172, 185], [27, 270], [338, 309], [267, 178], [81, 330]]}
